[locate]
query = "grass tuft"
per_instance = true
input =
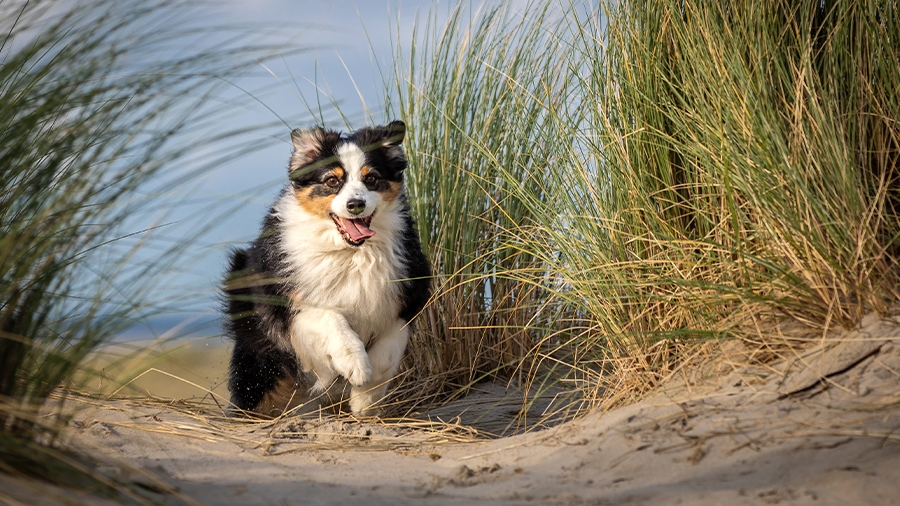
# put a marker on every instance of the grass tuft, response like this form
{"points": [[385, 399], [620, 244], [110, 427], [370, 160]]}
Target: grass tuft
{"points": [[99, 102], [604, 187]]}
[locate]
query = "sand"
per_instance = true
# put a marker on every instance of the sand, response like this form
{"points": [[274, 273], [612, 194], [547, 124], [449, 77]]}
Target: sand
{"points": [[819, 429]]}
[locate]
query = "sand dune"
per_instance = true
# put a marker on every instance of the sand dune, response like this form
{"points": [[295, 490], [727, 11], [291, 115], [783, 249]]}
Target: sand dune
{"points": [[819, 429]]}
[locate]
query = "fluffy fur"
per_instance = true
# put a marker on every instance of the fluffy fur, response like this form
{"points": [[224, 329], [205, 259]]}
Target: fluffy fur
{"points": [[330, 287]]}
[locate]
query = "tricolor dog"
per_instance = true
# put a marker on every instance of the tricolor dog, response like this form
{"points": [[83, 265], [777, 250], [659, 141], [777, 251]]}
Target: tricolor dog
{"points": [[327, 291]]}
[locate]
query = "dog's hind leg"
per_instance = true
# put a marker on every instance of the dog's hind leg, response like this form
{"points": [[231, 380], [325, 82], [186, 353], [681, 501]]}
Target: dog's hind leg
{"points": [[327, 346], [256, 375], [384, 355]]}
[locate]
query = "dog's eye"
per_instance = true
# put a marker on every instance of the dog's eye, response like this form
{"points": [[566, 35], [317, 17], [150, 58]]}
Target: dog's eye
{"points": [[370, 179], [332, 181]]}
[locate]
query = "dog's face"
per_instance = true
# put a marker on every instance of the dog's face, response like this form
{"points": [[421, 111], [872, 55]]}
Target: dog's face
{"points": [[348, 179]]}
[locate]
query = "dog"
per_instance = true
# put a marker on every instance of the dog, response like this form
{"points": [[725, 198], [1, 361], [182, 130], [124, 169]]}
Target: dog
{"points": [[328, 290]]}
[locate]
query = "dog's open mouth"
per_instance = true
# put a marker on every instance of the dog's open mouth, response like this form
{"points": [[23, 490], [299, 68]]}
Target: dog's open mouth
{"points": [[354, 231]]}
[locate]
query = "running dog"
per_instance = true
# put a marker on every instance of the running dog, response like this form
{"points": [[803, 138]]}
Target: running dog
{"points": [[330, 286]]}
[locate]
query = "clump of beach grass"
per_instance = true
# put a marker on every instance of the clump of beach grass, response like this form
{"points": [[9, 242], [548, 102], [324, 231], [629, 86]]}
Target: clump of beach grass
{"points": [[460, 90], [99, 101], [602, 188]]}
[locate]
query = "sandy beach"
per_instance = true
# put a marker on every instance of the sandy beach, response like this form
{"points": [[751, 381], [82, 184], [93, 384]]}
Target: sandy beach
{"points": [[818, 429]]}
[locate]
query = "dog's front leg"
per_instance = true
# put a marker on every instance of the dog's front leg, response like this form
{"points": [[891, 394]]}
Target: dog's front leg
{"points": [[384, 355], [327, 346]]}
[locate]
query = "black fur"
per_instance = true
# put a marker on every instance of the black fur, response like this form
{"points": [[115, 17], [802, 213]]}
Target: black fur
{"points": [[417, 283], [259, 315]]}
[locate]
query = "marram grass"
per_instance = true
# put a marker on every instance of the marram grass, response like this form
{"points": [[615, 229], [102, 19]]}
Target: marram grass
{"points": [[100, 104], [461, 92], [603, 187]]}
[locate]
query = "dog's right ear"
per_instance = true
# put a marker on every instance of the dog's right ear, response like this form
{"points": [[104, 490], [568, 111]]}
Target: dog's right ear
{"points": [[394, 132], [392, 137], [307, 146]]}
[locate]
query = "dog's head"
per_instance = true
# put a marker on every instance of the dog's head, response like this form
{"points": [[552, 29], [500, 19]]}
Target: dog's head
{"points": [[348, 179]]}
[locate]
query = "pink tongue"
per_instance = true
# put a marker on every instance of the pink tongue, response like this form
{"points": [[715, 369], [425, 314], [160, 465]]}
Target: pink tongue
{"points": [[357, 230]]}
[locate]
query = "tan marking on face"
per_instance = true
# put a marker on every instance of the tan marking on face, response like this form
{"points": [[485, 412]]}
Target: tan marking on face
{"points": [[286, 395], [364, 171], [315, 205], [339, 172], [393, 191]]}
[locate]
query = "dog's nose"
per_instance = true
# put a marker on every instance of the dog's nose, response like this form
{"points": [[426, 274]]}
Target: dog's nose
{"points": [[356, 206]]}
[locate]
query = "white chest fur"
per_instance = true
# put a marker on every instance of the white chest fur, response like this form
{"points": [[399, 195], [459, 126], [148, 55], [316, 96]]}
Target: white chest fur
{"points": [[359, 283]]}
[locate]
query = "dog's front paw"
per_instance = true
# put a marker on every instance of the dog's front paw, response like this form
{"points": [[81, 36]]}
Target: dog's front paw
{"points": [[354, 366]]}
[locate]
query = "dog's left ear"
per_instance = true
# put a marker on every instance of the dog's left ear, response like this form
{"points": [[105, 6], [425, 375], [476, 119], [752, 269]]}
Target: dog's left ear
{"points": [[395, 132]]}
